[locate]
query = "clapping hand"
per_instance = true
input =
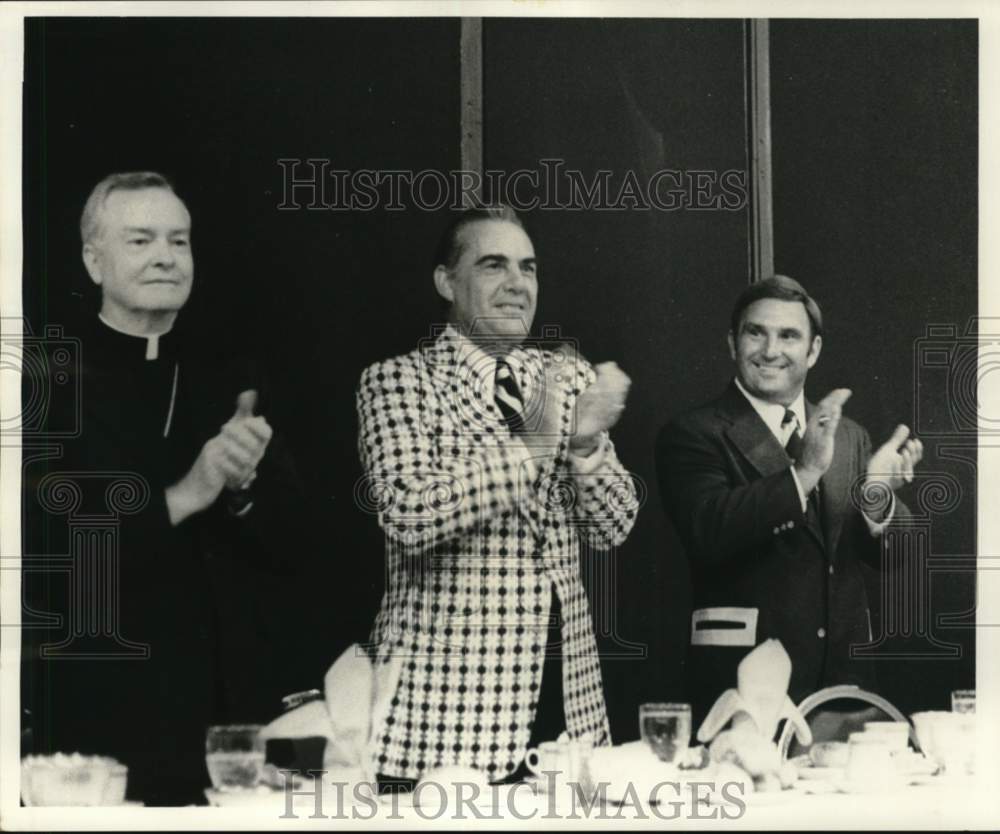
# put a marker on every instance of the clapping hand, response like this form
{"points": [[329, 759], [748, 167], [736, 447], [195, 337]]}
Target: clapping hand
{"points": [[601, 405], [228, 460], [818, 438], [597, 408], [244, 441], [893, 463]]}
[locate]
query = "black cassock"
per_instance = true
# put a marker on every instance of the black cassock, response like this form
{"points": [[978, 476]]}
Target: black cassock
{"points": [[121, 630]]}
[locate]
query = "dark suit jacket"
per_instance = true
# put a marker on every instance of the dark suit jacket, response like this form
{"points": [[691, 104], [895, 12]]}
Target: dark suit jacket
{"points": [[727, 485], [190, 646]]}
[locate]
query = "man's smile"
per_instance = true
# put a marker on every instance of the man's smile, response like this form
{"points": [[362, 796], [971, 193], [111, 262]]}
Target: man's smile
{"points": [[769, 369]]}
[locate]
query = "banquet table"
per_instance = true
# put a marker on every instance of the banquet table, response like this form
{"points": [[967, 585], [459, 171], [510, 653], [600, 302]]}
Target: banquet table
{"points": [[959, 803]]}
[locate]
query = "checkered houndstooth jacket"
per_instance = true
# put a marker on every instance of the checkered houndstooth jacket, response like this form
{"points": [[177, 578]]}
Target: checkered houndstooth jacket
{"points": [[479, 530]]}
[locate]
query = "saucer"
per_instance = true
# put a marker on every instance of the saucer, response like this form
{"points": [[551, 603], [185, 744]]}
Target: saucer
{"points": [[755, 799], [434, 799], [242, 798], [821, 773]]}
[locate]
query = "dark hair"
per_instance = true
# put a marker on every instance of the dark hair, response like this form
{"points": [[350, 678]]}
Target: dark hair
{"points": [[133, 181], [449, 248], [782, 288]]}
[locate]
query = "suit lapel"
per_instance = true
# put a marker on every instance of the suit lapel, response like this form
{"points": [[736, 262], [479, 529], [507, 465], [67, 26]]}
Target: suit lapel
{"points": [[750, 434], [459, 377]]}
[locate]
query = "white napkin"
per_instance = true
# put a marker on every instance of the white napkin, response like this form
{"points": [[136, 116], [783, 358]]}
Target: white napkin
{"points": [[356, 698], [760, 697]]}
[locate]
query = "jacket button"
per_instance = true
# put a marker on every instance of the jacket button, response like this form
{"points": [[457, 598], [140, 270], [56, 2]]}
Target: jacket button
{"points": [[791, 524], [776, 531], [821, 633]]}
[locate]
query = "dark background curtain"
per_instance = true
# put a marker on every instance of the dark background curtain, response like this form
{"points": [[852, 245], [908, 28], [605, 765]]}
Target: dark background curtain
{"points": [[875, 211], [874, 127]]}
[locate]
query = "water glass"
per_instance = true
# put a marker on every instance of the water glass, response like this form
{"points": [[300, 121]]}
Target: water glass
{"points": [[666, 728], [963, 701], [234, 754]]}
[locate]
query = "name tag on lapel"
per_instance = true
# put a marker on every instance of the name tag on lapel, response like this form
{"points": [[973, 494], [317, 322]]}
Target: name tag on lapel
{"points": [[724, 626]]}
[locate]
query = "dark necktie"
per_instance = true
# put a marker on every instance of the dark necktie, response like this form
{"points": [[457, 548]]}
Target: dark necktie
{"points": [[794, 443], [507, 397], [793, 448]]}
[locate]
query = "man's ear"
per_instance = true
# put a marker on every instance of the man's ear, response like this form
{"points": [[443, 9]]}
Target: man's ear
{"points": [[732, 344], [817, 346], [91, 259], [442, 283]]}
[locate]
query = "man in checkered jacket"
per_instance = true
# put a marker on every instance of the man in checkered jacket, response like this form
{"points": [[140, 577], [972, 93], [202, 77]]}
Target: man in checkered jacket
{"points": [[488, 464]]}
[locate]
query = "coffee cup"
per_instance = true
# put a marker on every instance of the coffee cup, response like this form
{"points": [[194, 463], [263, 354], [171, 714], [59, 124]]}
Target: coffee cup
{"points": [[895, 733], [869, 764], [558, 763]]}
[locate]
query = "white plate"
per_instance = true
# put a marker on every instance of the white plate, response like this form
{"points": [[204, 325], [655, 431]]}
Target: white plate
{"points": [[757, 798], [487, 798], [246, 798], [916, 764], [826, 773], [819, 786]]}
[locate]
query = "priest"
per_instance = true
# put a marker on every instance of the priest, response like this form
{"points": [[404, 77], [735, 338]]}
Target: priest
{"points": [[170, 478]]}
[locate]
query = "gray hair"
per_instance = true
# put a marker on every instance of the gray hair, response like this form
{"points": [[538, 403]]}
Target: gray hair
{"points": [[449, 248], [90, 224]]}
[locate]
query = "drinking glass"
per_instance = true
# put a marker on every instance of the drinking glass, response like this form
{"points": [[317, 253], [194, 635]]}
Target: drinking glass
{"points": [[666, 728], [234, 754], [963, 701]]}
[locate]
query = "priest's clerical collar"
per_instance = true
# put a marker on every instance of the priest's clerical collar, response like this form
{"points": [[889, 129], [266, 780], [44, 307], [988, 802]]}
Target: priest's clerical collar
{"points": [[152, 342]]}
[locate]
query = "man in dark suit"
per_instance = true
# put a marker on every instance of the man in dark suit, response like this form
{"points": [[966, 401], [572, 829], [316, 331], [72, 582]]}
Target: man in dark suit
{"points": [[777, 501]]}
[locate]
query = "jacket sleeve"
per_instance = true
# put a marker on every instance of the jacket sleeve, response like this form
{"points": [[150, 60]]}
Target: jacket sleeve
{"points": [[604, 502], [268, 526], [717, 517], [600, 502], [867, 545], [426, 487]]}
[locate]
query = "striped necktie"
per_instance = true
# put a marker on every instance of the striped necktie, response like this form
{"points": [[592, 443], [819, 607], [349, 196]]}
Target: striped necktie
{"points": [[507, 397], [793, 448], [793, 445]]}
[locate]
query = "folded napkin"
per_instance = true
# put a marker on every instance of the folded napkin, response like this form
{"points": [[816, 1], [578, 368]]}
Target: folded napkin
{"points": [[760, 700], [753, 711], [307, 721], [356, 698]]}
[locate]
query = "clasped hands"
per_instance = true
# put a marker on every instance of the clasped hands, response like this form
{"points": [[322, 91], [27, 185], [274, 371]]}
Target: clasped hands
{"points": [[889, 467], [227, 461], [596, 410]]}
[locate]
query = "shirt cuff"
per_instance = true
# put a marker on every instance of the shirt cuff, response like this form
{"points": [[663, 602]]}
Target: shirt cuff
{"points": [[239, 502], [803, 498], [585, 464], [876, 527]]}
